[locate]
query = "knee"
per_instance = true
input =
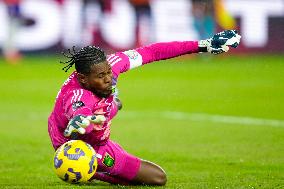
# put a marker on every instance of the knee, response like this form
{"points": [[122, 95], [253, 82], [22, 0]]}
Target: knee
{"points": [[160, 179], [150, 174]]}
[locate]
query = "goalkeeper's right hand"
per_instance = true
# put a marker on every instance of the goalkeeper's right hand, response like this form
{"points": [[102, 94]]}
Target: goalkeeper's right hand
{"points": [[80, 122]]}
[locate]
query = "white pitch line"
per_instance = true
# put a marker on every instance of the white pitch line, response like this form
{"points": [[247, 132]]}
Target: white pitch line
{"points": [[215, 118], [205, 117]]}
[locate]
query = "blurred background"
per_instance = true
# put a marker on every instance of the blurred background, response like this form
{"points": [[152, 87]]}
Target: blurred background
{"points": [[209, 121], [29, 26]]}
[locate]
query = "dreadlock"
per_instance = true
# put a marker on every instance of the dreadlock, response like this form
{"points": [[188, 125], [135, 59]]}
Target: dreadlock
{"points": [[84, 58]]}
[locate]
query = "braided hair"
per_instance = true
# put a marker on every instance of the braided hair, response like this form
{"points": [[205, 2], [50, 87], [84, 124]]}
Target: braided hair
{"points": [[84, 58]]}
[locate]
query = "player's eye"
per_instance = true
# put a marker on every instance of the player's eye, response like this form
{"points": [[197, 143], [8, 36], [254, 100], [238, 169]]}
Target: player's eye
{"points": [[100, 76]]}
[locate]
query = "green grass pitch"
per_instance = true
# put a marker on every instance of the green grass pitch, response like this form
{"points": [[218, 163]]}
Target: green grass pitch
{"points": [[209, 121]]}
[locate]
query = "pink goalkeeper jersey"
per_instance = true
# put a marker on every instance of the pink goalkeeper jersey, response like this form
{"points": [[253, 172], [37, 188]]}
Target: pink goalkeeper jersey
{"points": [[73, 100]]}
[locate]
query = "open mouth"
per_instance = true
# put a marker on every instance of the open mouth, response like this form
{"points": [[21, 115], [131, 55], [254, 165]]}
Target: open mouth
{"points": [[109, 88]]}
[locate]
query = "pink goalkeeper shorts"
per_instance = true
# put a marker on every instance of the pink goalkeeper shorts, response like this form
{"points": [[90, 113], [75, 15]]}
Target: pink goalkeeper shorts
{"points": [[116, 161]]}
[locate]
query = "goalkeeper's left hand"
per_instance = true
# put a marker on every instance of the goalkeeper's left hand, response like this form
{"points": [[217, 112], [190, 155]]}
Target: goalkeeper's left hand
{"points": [[220, 42]]}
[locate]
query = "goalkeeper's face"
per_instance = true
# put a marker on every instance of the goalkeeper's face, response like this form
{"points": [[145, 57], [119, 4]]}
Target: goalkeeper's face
{"points": [[99, 80]]}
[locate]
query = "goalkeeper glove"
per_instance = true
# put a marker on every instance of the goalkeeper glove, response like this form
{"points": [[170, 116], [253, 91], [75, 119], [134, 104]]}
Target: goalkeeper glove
{"points": [[80, 122], [220, 42]]}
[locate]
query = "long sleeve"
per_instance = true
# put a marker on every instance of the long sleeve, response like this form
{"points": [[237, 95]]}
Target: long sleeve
{"points": [[124, 61], [162, 51]]}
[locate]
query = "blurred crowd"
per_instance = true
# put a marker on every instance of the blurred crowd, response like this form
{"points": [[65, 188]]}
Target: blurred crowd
{"points": [[10, 51], [208, 15]]}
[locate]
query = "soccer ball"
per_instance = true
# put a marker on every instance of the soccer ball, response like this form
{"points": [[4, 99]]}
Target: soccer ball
{"points": [[75, 161]]}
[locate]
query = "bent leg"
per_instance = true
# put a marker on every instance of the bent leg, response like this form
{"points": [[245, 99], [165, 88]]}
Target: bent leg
{"points": [[150, 174], [119, 167], [116, 165]]}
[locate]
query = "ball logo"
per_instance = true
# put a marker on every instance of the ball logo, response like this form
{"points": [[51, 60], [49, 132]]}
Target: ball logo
{"points": [[78, 153]]}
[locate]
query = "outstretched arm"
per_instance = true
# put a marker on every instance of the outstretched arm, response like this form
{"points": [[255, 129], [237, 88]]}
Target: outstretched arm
{"points": [[124, 61], [219, 43], [162, 51]]}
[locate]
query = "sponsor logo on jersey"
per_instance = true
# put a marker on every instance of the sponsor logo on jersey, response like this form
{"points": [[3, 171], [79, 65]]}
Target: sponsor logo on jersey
{"points": [[77, 105]]}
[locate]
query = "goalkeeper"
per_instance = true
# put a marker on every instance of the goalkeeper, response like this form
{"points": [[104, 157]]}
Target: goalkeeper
{"points": [[88, 101]]}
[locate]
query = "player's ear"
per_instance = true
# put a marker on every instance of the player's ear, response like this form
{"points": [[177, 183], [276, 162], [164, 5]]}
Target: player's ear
{"points": [[82, 78]]}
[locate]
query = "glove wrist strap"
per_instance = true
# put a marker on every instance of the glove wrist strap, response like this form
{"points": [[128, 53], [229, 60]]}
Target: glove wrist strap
{"points": [[202, 46]]}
